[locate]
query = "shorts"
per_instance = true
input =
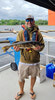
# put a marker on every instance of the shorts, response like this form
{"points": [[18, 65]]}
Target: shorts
{"points": [[25, 70]]}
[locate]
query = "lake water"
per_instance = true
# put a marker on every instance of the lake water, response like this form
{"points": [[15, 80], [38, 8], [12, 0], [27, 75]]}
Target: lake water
{"points": [[18, 27], [5, 59]]}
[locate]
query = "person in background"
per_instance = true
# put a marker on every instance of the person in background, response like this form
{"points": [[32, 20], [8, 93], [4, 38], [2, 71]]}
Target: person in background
{"points": [[30, 58]]}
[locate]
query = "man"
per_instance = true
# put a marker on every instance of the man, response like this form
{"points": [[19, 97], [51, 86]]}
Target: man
{"points": [[30, 58]]}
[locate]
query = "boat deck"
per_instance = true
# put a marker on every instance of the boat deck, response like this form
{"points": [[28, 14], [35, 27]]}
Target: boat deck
{"points": [[9, 87]]}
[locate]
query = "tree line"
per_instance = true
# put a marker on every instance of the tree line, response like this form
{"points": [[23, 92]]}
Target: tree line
{"points": [[20, 22]]}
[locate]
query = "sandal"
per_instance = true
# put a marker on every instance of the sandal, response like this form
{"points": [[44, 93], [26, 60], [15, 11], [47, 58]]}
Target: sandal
{"points": [[18, 96], [32, 95]]}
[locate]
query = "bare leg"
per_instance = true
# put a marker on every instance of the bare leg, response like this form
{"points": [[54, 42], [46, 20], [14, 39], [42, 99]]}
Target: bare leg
{"points": [[33, 79], [21, 92], [21, 84]]}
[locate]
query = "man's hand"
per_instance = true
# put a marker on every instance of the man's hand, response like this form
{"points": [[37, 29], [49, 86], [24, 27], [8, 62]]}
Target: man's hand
{"points": [[36, 48], [16, 48]]}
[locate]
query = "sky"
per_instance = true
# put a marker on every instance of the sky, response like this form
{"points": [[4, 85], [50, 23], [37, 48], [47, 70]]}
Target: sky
{"points": [[19, 9]]}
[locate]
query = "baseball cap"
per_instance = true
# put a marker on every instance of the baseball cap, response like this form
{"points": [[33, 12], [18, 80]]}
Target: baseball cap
{"points": [[30, 16]]}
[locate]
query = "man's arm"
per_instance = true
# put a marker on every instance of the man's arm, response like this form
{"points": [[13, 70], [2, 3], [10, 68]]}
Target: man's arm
{"points": [[41, 40]]}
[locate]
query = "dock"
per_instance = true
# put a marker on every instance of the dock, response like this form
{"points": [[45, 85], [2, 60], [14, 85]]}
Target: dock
{"points": [[9, 87]]}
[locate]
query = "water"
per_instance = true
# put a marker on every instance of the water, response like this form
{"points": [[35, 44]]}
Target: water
{"points": [[5, 59], [18, 27]]}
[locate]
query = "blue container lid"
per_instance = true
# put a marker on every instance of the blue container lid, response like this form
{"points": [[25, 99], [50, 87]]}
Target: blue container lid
{"points": [[50, 64]]}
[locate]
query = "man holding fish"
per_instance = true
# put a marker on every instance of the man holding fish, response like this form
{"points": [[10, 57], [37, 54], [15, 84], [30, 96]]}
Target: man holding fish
{"points": [[30, 58]]}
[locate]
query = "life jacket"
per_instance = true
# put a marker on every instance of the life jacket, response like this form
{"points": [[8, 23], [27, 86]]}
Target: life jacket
{"points": [[26, 36]]}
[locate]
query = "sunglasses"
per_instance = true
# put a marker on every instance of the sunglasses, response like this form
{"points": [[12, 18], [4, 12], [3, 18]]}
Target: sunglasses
{"points": [[27, 20]]}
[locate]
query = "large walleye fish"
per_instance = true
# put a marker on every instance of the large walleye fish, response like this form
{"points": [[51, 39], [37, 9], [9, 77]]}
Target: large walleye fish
{"points": [[22, 45]]}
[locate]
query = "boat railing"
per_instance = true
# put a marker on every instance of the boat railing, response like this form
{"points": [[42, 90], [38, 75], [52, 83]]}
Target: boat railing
{"points": [[50, 49], [13, 31]]}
